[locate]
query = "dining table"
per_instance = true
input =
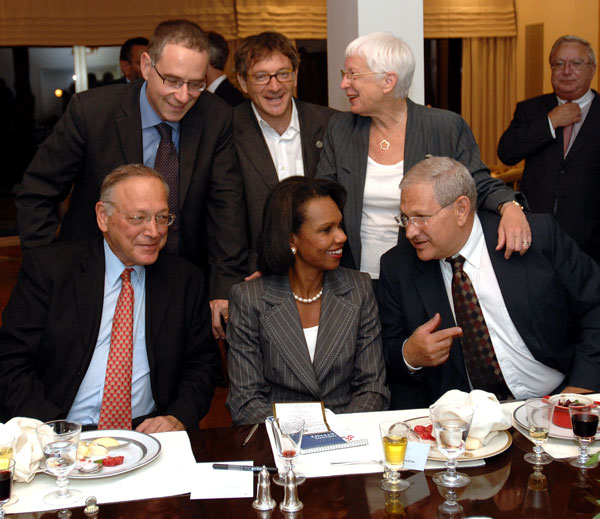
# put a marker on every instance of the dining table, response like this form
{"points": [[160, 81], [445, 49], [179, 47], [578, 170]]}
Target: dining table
{"points": [[505, 487]]}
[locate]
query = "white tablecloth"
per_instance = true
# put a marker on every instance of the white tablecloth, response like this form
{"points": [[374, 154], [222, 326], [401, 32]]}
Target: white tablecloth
{"points": [[168, 475]]}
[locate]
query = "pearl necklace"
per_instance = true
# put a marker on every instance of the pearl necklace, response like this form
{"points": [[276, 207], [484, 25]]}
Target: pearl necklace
{"points": [[309, 299]]}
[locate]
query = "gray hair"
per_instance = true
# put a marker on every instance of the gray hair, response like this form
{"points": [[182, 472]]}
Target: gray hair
{"points": [[125, 172], [449, 177], [384, 52], [569, 38]]}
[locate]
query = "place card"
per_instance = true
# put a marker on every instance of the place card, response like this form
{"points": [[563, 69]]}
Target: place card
{"points": [[416, 456]]}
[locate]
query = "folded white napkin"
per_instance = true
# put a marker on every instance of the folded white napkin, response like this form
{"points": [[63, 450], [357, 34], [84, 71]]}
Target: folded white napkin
{"points": [[28, 452], [488, 417]]}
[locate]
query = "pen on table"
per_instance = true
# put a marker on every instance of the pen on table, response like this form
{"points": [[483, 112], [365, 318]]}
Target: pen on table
{"points": [[250, 434], [251, 468]]}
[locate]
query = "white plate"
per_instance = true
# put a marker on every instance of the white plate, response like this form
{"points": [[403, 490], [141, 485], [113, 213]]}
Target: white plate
{"points": [[497, 445], [520, 417], [141, 450]]}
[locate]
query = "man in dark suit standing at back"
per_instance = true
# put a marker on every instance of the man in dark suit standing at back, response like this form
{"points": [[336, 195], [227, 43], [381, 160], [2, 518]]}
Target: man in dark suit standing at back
{"points": [[558, 135], [217, 81], [457, 315], [113, 311], [276, 136], [130, 59], [166, 122]]}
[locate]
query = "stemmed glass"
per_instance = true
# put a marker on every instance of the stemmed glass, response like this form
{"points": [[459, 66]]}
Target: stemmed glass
{"points": [[394, 437], [7, 471], [584, 419], [451, 424], [8, 446], [539, 418], [59, 440], [287, 433]]}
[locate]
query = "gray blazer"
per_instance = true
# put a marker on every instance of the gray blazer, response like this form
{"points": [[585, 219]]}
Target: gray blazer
{"points": [[429, 131], [269, 360], [256, 164]]}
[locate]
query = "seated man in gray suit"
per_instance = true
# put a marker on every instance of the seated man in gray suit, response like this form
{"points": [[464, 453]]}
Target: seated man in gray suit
{"points": [[88, 318], [457, 315], [275, 135]]}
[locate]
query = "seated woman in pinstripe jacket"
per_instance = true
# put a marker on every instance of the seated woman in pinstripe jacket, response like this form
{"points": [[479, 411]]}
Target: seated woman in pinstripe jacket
{"points": [[307, 330]]}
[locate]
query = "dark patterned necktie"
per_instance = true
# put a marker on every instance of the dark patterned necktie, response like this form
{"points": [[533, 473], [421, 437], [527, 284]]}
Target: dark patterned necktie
{"points": [[115, 412], [167, 164], [478, 352]]}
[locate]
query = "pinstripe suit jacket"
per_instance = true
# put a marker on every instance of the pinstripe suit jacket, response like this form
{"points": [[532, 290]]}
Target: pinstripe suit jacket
{"points": [[429, 131], [269, 360]]}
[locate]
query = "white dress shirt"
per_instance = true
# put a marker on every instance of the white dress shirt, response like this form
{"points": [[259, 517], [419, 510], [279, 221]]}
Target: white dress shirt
{"points": [[285, 149], [88, 401], [215, 84], [524, 375]]}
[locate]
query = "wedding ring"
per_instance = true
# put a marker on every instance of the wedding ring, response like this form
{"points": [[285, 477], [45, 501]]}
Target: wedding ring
{"points": [[527, 243]]}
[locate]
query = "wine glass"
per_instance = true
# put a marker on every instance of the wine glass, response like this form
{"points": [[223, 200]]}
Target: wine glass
{"points": [[451, 424], [539, 418], [8, 447], [287, 433], [59, 440], [394, 437], [584, 419], [7, 471]]}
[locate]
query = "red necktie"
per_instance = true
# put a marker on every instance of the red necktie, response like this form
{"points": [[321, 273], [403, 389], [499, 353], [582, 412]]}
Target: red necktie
{"points": [[166, 163], [115, 412], [478, 351]]}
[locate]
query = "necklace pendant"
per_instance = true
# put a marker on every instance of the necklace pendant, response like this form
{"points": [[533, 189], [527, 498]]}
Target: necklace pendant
{"points": [[384, 144]]}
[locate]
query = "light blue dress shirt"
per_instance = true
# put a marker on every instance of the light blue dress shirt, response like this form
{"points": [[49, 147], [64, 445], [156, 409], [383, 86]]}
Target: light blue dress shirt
{"points": [[150, 135], [86, 407]]}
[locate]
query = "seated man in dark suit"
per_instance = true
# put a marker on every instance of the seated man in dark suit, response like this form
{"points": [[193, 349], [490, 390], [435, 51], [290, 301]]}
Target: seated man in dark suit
{"points": [[527, 326], [275, 135], [216, 79], [88, 317]]}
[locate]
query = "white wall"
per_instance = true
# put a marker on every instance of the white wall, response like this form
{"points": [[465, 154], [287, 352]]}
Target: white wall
{"points": [[348, 19]]}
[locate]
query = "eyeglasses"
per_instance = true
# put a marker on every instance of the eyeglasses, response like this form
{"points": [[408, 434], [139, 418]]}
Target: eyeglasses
{"points": [[575, 64], [194, 86], [283, 76], [162, 220], [418, 221], [356, 75]]}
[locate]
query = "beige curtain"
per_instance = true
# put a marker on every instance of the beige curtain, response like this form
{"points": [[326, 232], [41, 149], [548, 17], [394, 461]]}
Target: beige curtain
{"points": [[468, 18], [489, 91], [110, 22]]}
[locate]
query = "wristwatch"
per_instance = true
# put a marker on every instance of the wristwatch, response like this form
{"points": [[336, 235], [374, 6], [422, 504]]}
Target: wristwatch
{"points": [[510, 202]]}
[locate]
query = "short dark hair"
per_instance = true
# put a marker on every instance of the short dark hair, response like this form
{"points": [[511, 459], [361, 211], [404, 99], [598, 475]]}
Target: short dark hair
{"points": [[125, 54], [177, 32], [218, 50], [260, 46], [125, 172], [284, 215]]}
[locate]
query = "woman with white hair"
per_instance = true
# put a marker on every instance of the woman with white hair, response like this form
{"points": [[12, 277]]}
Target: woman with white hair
{"points": [[368, 149]]}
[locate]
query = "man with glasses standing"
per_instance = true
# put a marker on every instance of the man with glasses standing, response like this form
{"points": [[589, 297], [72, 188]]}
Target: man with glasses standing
{"points": [[166, 122], [276, 136], [558, 135], [456, 314], [111, 331]]}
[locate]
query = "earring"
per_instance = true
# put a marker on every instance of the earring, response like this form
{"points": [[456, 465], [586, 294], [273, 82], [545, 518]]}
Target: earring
{"points": [[293, 249]]}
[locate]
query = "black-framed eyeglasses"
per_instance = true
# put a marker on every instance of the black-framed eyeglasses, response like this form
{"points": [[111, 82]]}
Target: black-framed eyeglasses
{"points": [[161, 219], [195, 85], [420, 220], [356, 75], [575, 64], [283, 76]]}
